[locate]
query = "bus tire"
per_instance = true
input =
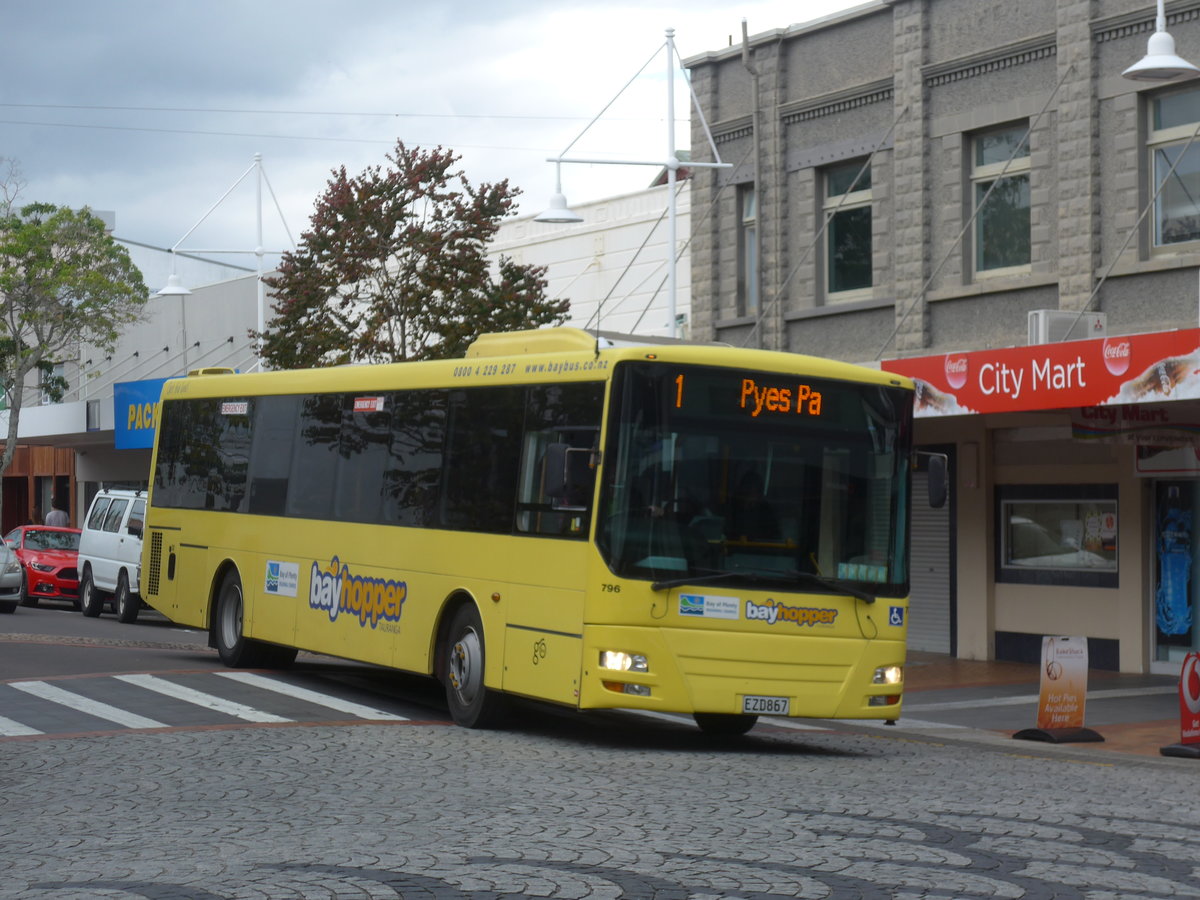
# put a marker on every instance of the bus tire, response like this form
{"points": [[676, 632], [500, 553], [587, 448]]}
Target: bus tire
{"points": [[91, 601], [127, 603], [724, 724], [472, 704], [235, 649]]}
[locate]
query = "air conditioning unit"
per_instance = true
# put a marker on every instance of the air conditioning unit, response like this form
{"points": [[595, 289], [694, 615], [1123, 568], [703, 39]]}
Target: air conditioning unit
{"points": [[1049, 326]]}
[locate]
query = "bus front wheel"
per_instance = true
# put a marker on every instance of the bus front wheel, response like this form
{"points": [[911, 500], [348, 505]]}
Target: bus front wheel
{"points": [[724, 724], [472, 704], [235, 649]]}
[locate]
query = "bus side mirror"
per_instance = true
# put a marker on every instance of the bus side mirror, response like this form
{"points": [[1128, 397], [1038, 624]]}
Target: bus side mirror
{"points": [[936, 480]]}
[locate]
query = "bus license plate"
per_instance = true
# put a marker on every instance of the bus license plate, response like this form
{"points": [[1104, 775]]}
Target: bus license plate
{"points": [[766, 706]]}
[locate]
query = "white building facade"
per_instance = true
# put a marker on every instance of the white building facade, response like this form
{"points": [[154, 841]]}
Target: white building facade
{"points": [[613, 265], [104, 423]]}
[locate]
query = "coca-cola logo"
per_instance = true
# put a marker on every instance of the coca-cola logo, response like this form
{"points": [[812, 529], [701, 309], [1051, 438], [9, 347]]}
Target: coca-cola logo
{"points": [[1117, 354], [956, 370]]}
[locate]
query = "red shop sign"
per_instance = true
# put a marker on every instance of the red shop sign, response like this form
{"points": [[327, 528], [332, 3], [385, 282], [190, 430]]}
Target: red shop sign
{"points": [[1136, 368]]}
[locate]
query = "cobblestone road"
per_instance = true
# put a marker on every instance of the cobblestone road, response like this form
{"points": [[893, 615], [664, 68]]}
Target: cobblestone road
{"points": [[595, 807]]}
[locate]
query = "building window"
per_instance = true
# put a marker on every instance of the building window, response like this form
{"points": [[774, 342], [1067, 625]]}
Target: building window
{"points": [[1064, 534], [1002, 219], [748, 299], [848, 227], [1173, 119], [52, 382]]}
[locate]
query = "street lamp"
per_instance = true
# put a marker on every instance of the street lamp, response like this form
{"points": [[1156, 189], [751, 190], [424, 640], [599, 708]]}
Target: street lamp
{"points": [[175, 287], [559, 212], [1160, 62]]}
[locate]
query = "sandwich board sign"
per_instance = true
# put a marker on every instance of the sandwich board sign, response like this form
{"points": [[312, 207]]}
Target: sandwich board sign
{"points": [[1063, 693]]}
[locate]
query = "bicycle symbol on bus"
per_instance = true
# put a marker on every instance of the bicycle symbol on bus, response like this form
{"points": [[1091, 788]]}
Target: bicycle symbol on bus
{"points": [[539, 651]]}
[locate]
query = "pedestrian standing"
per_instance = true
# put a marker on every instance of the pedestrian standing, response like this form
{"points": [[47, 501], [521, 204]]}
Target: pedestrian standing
{"points": [[57, 517]]}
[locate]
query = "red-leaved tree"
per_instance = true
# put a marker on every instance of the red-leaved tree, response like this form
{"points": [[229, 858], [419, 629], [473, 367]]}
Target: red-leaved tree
{"points": [[394, 267]]}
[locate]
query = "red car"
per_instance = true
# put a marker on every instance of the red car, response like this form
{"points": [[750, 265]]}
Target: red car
{"points": [[48, 563]]}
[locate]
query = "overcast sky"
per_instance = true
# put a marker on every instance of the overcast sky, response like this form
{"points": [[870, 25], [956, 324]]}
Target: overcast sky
{"points": [[154, 109]]}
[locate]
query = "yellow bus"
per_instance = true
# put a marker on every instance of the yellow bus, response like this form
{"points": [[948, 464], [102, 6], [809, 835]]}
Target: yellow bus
{"points": [[673, 527]]}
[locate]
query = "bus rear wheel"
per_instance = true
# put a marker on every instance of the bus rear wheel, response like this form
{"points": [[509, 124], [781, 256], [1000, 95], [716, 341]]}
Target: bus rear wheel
{"points": [[472, 704], [724, 724], [235, 649]]}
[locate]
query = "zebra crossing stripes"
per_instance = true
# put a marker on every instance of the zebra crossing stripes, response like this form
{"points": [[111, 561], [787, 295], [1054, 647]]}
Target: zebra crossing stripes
{"points": [[69, 707], [314, 697], [199, 698], [11, 728], [83, 704]]}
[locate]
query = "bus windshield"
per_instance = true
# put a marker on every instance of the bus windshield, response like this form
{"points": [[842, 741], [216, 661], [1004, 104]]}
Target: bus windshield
{"points": [[752, 478]]}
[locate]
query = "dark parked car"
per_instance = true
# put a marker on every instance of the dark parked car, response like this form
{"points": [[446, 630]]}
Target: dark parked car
{"points": [[48, 558]]}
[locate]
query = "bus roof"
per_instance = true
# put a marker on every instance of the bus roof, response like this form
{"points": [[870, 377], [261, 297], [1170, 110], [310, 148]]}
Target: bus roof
{"points": [[560, 354], [543, 340]]}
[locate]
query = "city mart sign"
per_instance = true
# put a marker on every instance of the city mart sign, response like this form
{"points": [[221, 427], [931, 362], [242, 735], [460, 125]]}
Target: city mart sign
{"points": [[1138, 368]]}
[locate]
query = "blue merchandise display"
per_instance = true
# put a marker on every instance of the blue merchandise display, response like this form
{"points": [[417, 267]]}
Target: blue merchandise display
{"points": [[1173, 600]]}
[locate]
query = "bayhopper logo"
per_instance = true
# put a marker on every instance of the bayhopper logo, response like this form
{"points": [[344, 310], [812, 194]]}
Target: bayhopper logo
{"points": [[956, 370], [1117, 355], [1189, 684]]}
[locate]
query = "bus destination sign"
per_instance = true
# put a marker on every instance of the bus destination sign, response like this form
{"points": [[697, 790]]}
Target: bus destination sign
{"points": [[774, 400]]}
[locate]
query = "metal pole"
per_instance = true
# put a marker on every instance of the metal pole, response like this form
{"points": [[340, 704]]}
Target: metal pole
{"points": [[672, 166], [258, 253]]}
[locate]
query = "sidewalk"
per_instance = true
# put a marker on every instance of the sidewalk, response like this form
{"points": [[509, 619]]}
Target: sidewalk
{"points": [[1133, 713]]}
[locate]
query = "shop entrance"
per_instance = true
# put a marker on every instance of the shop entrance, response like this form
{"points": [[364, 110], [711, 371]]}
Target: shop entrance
{"points": [[1175, 607]]}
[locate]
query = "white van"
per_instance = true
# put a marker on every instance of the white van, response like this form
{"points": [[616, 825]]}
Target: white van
{"points": [[110, 554]]}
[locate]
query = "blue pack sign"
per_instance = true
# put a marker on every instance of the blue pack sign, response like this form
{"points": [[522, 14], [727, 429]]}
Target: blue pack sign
{"points": [[134, 405], [896, 616]]}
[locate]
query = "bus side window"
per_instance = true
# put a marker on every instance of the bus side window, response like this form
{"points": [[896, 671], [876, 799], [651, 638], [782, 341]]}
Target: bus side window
{"points": [[274, 427]]}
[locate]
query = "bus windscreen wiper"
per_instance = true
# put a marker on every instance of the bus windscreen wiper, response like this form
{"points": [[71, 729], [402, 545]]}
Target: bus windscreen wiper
{"points": [[698, 579]]}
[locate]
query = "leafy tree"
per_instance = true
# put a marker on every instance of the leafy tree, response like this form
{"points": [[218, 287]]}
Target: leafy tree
{"points": [[394, 268], [63, 281]]}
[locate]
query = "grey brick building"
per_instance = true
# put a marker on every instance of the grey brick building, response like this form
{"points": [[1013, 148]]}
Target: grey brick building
{"points": [[971, 193]]}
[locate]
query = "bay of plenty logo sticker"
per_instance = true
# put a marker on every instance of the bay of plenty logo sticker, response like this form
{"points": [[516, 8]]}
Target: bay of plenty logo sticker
{"points": [[337, 591], [708, 606], [283, 578]]}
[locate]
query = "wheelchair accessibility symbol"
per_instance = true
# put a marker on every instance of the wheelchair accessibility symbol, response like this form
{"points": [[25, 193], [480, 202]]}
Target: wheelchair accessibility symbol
{"points": [[896, 615]]}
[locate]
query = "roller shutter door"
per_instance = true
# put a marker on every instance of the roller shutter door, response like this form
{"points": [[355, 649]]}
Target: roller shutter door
{"points": [[929, 618]]}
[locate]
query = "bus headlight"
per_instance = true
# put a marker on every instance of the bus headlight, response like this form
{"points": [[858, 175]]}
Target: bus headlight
{"points": [[888, 675], [620, 661]]}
